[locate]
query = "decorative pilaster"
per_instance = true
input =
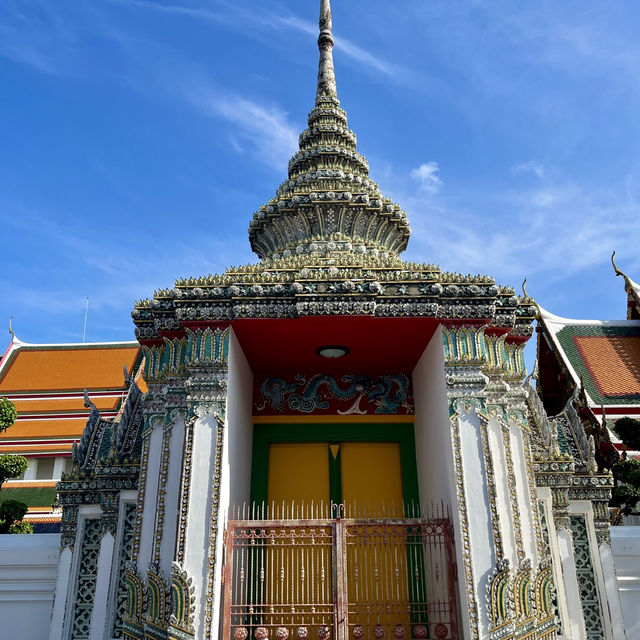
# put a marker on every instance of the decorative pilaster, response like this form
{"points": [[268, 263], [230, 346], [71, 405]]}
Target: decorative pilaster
{"points": [[464, 360]]}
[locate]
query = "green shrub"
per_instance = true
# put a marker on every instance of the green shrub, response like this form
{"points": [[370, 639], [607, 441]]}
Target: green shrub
{"points": [[8, 414], [10, 512], [22, 526], [628, 430]]}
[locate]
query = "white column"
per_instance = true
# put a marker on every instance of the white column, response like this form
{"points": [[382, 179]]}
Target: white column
{"points": [[62, 589], [58, 466], [611, 589], [150, 499], [544, 495], [197, 551], [476, 484], [30, 473], [103, 581], [574, 606]]}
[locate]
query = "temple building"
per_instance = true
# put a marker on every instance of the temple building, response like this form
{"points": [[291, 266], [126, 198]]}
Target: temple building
{"points": [[598, 359], [47, 384], [335, 443]]}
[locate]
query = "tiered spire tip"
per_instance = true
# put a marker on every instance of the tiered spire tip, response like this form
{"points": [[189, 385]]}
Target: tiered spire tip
{"points": [[326, 72]]}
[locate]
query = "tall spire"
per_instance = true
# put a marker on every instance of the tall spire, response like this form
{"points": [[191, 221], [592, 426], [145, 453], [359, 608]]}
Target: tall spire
{"points": [[328, 203], [326, 72]]}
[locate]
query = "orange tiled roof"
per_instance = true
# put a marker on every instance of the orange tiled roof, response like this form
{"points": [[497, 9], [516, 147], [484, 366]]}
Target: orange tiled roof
{"points": [[32, 449], [613, 362], [58, 368], [46, 383], [60, 428], [75, 403]]}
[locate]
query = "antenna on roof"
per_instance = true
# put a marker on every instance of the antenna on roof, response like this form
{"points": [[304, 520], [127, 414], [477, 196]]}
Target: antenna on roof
{"points": [[13, 335], [86, 312]]}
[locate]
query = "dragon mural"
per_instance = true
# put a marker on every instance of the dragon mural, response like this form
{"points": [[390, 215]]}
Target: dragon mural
{"points": [[350, 395]]}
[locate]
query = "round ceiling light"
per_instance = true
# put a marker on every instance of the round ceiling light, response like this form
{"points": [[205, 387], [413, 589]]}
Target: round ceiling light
{"points": [[332, 351]]}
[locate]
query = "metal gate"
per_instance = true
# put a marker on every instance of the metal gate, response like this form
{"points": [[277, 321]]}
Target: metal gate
{"points": [[342, 578]]}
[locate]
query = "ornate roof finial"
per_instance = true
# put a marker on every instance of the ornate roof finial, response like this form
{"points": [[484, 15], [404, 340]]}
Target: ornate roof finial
{"points": [[13, 335], [615, 266], [326, 72], [329, 203]]}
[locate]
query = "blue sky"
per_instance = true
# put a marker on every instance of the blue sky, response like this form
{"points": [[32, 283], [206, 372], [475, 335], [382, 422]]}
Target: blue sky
{"points": [[137, 137]]}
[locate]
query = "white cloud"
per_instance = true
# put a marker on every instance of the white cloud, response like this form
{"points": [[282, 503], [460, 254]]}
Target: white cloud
{"points": [[547, 233], [426, 176], [265, 129], [529, 167]]}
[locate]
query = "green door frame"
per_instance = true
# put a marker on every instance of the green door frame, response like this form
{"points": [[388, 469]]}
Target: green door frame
{"points": [[400, 433]]}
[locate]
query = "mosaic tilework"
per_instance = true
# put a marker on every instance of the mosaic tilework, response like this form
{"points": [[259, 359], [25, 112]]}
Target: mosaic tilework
{"points": [[87, 574], [586, 579], [126, 553]]}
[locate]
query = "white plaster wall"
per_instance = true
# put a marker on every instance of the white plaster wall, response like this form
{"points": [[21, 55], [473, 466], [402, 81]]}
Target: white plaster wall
{"points": [[28, 569], [62, 588], [197, 529], [172, 495], [235, 484], [103, 580], [544, 494], [237, 464], [501, 475], [625, 544], [150, 500], [567, 554], [434, 449], [523, 492], [483, 558]]}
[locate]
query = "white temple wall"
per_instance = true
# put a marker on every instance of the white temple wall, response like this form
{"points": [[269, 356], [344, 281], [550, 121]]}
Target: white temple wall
{"points": [[572, 590], [502, 480], [61, 589], [198, 521], [172, 494], [543, 494], [434, 448], [526, 501], [27, 584], [611, 591], [237, 464], [482, 550], [235, 483], [103, 580], [150, 500]]}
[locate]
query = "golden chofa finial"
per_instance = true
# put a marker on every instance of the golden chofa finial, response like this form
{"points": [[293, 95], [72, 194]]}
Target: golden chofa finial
{"points": [[524, 289]]}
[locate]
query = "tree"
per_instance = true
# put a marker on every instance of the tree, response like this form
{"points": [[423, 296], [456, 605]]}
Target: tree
{"points": [[626, 473], [11, 466]]}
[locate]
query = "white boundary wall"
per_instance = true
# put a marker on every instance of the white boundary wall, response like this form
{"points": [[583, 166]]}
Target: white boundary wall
{"points": [[625, 544], [28, 568]]}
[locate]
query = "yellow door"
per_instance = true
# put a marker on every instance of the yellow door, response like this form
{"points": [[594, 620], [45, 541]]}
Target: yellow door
{"points": [[371, 479], [298, 480]]}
